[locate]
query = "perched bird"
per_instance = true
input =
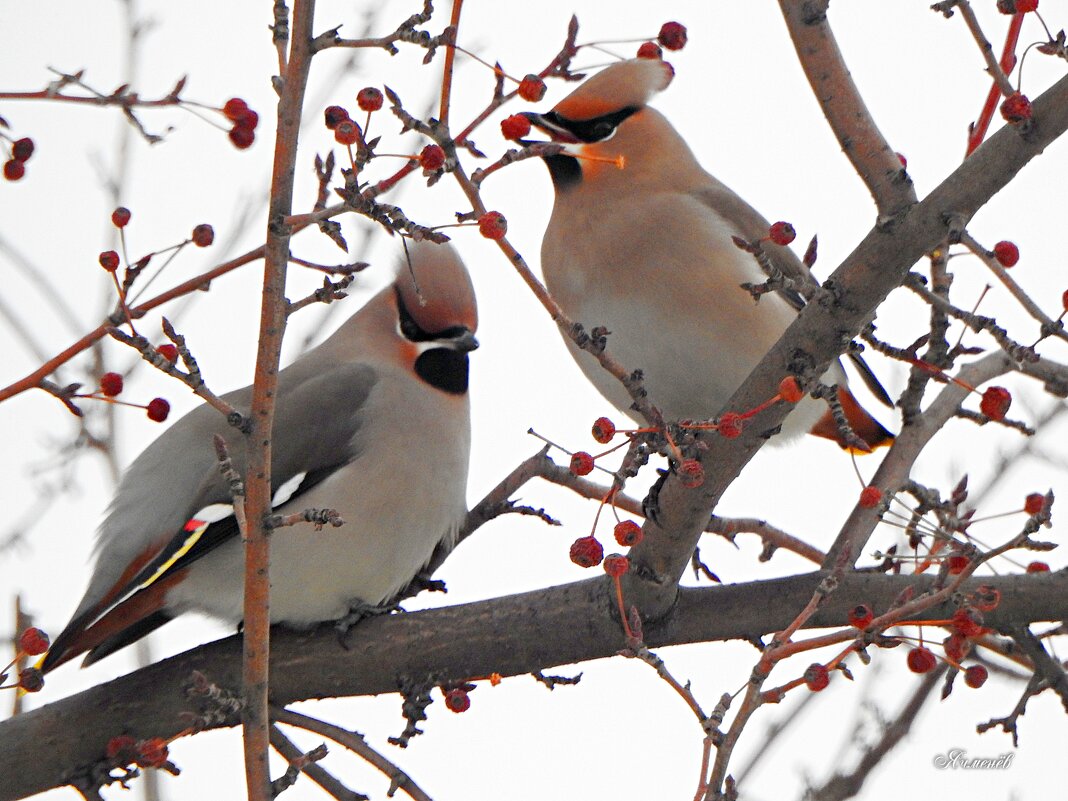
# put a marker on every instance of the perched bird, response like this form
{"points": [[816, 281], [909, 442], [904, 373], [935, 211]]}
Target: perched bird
{"points": [[373, 423], [640, 242]]}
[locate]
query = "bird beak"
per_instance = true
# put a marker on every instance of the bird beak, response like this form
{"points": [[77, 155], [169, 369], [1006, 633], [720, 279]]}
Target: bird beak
{"points": [[465, 341], [554, 131]]}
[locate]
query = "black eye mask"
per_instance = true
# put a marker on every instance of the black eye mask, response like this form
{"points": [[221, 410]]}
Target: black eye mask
{"points": [[596, 129]]}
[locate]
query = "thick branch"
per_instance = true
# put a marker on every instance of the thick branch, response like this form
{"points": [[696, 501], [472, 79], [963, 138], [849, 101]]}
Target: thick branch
{"points": [[842, 104], [510, 636]]}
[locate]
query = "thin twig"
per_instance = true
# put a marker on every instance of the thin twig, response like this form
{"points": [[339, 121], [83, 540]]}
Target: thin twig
{"points": [[317, 773], [399, 780]]}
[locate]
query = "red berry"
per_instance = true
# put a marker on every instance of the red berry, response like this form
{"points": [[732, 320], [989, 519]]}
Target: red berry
{"points": [[14, 169], [691, 473], [587, 551], [515, 127], [860, 616], [22, 149], [870, 497], [957, 562], [603, 430], [987, 598], [120, 217], [233, 108], [493, 225], [616, 565], [168, 352], [431, 158], [1034, 503], [457, 700], [581, 463], [672, 35], [111, 384], [782, 233], [1038, 567], [242, 138], [152, 753], [121, 749], [967, 622], [532, 88], [1006, 253], [1064, 300], [920, 660], [33, 642], [203, 235], [31, 680], [904, 161], [247, 119], [790, 390], [109, 260], [955, 647], [369, 99], [334, 115], [995, 403], [628, 533], [650, 50], [158, 409], [347, 133], [816, 677], [975, 676], [730, 425], [1016, 6], [1016, 108]]}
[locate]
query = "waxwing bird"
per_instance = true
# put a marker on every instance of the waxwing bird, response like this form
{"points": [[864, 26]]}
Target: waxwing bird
{"points": [[640, 242], [373, 423]]}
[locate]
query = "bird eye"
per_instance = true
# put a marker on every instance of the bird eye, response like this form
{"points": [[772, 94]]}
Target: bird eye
{"points": [[602, 130]]}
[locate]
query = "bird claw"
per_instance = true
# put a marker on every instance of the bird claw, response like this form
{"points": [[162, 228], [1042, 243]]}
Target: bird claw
{"points": [[358, 611], [651, 504]]}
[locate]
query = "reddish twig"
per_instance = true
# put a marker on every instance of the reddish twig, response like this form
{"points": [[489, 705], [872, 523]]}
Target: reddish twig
{"points": [[254, 717], [977, 131]]}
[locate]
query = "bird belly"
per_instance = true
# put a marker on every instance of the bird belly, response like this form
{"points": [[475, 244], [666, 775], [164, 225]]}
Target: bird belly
{"points": [[694, 333]]}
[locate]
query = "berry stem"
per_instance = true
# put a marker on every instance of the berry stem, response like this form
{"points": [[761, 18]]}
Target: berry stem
{"points": [[622, 608], [122, 299], [497, 70]]}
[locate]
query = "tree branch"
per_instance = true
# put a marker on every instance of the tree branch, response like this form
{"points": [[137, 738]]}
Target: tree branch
{"points": [[575, 622]]}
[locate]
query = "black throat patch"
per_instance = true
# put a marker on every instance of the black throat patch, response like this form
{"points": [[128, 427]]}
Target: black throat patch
{"points": [[445, 369]]}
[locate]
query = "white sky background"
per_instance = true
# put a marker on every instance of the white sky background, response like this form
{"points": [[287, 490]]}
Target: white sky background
{"points": [[741, 101]]}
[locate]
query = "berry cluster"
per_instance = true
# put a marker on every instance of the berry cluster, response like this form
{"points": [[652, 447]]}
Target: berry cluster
{"points": [[111, 385], [21, 150], [244, 121], [32, 642]]}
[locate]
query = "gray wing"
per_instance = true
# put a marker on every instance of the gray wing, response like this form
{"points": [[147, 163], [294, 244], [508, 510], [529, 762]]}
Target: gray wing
{"points": [[317, 416], [748, 223]]}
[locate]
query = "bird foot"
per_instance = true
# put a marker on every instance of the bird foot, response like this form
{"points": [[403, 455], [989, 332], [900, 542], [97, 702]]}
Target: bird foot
{"points": [[358, 611], [651, 504]]}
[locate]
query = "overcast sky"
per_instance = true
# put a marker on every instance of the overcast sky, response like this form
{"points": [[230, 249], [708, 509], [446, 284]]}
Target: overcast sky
{"points": [[741, 101]]}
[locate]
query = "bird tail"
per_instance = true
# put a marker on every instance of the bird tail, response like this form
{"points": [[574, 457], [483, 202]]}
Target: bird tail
{"points": [[863, 424]]}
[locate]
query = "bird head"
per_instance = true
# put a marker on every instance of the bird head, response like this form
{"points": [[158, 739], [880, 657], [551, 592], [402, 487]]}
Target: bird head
{"points": [[435, 297], [587, 119]]}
